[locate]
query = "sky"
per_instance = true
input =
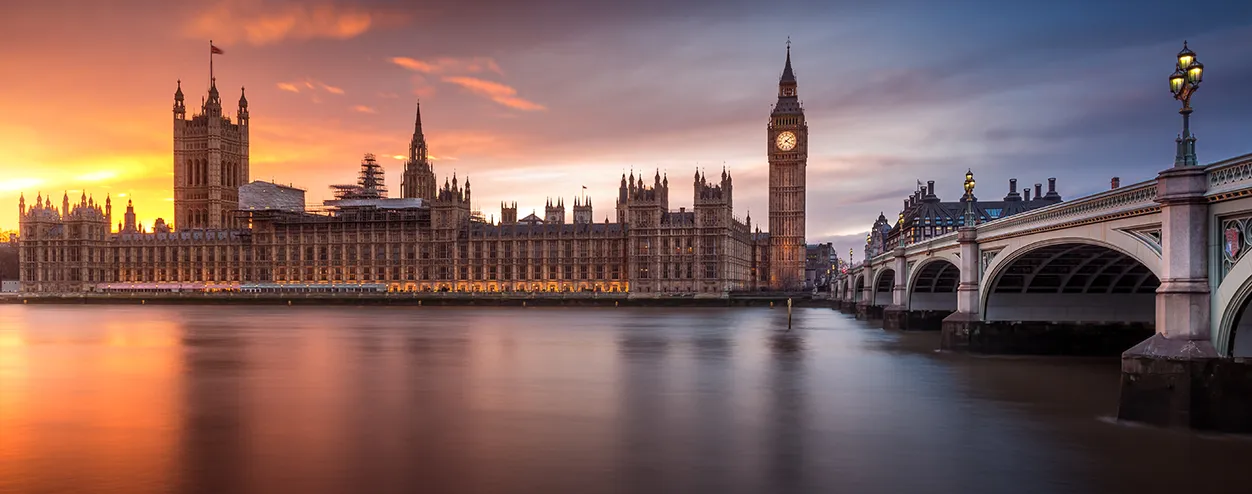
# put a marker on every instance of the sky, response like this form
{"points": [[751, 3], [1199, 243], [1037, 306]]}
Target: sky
{"points": [[538, 99]]}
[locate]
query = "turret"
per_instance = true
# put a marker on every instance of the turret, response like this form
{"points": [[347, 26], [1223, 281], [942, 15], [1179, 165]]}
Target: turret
{"points": [[129, 226], [213, 106], [582, 211], [508, 213], [180, 110], [243, 108], [554, 212]]}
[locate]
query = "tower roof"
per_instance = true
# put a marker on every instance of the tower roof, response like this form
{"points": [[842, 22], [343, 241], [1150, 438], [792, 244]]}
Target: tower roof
{"points": [[787, 74], [417, 122]]}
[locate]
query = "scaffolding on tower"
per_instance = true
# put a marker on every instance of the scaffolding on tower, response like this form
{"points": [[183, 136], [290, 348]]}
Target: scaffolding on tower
{"points": [[370, 182]]}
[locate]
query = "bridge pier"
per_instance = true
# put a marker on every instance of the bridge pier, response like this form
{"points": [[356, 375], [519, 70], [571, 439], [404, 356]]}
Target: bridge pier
{"points": [[899, 318], [869, 312], [1040, 337], [957, 327], [1175, 378]]}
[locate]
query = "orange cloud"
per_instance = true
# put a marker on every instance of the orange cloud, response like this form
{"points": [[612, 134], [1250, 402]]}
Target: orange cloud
{"points": [[332, 89], [500, 93], [364, 109], [294, 87], [259, 24], [449, 65]]}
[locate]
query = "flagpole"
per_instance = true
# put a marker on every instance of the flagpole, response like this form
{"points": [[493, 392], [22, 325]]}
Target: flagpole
{"points": [[210, 63]]}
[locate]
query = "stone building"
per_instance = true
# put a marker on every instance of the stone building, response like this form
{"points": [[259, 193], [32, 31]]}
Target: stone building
{"points": [[819, 265], [925, 216], [428, 240], [210, 162], [788, 144]]}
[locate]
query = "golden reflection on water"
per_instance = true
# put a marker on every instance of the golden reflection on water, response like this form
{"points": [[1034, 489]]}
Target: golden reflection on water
{"points": [[106, 411]]}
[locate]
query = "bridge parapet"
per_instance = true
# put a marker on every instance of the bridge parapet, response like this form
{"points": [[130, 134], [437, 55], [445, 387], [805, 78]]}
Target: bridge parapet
{"points": [[1131, 200], [944, 241], [1229, 178]]}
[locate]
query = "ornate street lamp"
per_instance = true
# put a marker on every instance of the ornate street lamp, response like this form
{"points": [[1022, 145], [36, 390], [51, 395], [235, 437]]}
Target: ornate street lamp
{"points": [[969, 197], [1188, 72]]}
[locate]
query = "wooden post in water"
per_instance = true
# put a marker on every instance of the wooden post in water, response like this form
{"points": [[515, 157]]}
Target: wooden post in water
{"points": [[788, 312]]}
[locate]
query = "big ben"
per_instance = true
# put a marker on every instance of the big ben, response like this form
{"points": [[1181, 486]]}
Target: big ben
{"points": [[788, 142]]}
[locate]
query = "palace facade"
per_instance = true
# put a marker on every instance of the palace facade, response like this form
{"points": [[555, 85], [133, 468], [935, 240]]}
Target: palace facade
{"points": [[230, 234]]}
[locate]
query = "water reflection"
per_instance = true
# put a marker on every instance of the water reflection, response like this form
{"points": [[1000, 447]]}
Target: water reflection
{"points": [[83, 406], [279, 399]]}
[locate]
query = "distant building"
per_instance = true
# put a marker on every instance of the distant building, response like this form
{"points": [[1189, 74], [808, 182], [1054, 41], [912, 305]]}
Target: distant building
{"points": [[925, 216], [234, 235], [818, 265]]}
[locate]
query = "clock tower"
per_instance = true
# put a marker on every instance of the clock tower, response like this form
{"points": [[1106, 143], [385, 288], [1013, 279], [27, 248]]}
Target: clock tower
{"points": [[788, 144]]}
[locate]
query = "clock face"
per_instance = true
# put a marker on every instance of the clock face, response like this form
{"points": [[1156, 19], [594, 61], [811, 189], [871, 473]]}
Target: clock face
{"points": [[785, 141]]}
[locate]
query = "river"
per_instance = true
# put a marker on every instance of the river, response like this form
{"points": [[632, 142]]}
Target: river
{"points": [[224, 399]]}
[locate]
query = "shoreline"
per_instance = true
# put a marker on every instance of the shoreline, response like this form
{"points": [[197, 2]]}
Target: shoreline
{"points": [[425, 299]]}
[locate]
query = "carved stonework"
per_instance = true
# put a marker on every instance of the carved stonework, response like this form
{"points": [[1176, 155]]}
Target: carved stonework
{"points": [[985, 260], [1232, 236], [1150, 236]]}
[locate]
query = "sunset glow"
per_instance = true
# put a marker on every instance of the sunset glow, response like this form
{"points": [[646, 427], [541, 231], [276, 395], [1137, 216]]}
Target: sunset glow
{"points": [[531, 111]]}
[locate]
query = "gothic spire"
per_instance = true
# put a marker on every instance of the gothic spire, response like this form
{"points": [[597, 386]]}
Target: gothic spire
{"points": [[417, 123], [417, 146], [788, 75]]}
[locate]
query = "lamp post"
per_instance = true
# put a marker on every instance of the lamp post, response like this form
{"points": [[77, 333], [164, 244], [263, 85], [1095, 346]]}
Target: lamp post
{"points": [[899, 229], [969, 197], [1188, 72]]}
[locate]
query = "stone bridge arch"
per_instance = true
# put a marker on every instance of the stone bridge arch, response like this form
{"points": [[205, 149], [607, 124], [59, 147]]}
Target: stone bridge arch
{"points": [[1232, 310], [1071, 279], [858, 287], [884, 282], [932, 284]]}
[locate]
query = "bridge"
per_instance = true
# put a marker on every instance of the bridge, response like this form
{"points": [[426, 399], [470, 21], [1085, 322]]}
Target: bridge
{"points": [[1158, 271]]}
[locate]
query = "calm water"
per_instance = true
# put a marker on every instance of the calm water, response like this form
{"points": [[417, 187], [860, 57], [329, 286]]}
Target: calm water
{"points": [[307, 400]]}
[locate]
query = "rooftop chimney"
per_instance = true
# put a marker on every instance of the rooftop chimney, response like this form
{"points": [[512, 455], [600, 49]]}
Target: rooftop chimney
{"points": [[1013, 195], [930, 187], [1052, 195], [1027, 194], [1117, 182], [1038, 191]]}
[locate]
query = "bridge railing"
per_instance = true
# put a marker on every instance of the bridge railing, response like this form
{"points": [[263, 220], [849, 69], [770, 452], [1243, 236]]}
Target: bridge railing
{"points": [[934, 243], [1116, 201], [1227, 176]]}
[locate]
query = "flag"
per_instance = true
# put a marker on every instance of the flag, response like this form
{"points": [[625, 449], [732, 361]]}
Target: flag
{"points": [[214, 49]]}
